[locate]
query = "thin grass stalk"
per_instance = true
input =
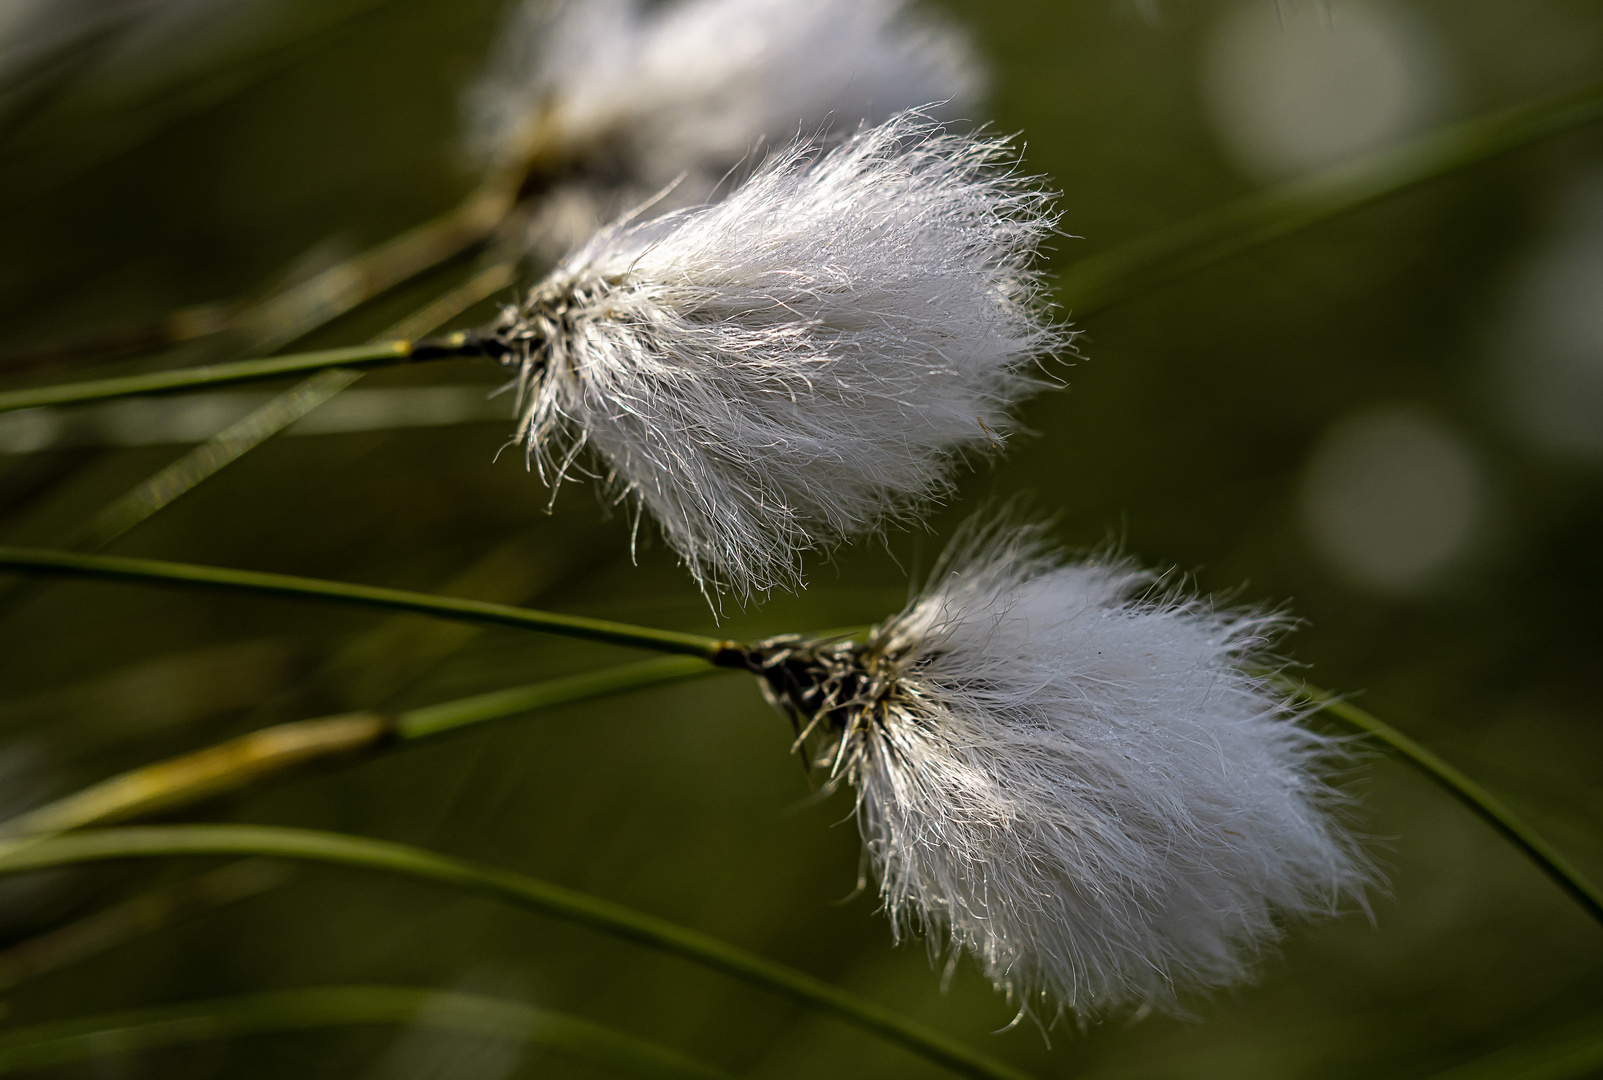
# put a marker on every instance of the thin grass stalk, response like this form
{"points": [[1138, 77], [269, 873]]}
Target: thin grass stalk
{"points": [[291, 749], [153, 571], [1129, 270], [416, 864], [452, 717], [1482, 802], [280, 1011], [380, 354]]}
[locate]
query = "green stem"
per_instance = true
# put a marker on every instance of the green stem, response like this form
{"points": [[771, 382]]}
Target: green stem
{"points": [[152, 571], [419, 865], [342, 1006], [450, 716], [379, 354], [1565, 874], [1128, 270]]}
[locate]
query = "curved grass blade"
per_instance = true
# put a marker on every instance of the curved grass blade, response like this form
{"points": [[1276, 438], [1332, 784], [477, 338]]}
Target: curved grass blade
{"points": [[153, 571], [417, 864], [194, 777], [1101, 281], [344, 1006], [1482, 802], [293, 747]]}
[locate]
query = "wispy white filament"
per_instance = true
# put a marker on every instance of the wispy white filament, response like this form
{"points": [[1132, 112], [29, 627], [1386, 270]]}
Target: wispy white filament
{"points": [[1078, 779], [801, 361], [638, 94]]}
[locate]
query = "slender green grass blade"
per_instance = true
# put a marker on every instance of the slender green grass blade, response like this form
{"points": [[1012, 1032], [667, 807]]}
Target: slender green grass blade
{"points": [[420, 865], [1482, 802], [152, 571], [1101, 281], [344, 1006], [451, 716]]}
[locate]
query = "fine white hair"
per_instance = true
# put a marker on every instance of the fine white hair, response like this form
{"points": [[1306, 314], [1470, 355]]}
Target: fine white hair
{"points": [[639, 94], [1083, 780], [803, 360]]}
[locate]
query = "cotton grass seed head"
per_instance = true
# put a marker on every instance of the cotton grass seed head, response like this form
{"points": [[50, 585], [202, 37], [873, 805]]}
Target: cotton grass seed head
{"points": [[636, 94], [801, 361], [1074, 775]]}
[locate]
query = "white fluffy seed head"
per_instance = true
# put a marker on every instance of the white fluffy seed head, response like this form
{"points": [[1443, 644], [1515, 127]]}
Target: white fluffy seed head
{"points": [[648, 92], [1076, 777], [803, 360]]}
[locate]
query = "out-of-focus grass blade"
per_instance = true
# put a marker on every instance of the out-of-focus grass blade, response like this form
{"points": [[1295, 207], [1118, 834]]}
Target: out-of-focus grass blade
{"points": [[1482, 802], [1574, 1054], [344, 1006], [1131, 269], [138, 915], [229, 416], [182, 781], [239, 439], [109, 111], [49, 47], [420, 865]]}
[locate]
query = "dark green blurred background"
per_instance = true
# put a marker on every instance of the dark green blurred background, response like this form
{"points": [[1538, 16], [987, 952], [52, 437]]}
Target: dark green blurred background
{"points": [[1392, 424]]}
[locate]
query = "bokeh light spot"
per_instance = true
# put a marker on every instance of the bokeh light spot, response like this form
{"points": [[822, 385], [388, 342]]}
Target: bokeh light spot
{"points": [[1548, 352], [1391, 498], [1294, 86]]}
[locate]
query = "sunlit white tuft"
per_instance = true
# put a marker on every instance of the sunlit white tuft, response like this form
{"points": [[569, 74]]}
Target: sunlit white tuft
{"points": [[638, 94], [803, 360], [1076, 776]]}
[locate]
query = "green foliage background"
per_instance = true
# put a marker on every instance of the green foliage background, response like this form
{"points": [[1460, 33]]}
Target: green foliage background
{"points": [[1181, 438]]}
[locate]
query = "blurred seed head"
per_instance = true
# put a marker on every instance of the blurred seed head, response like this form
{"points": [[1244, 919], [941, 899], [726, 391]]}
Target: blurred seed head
{"points": [[1074, 774], [630, 96], [801, 361]]}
